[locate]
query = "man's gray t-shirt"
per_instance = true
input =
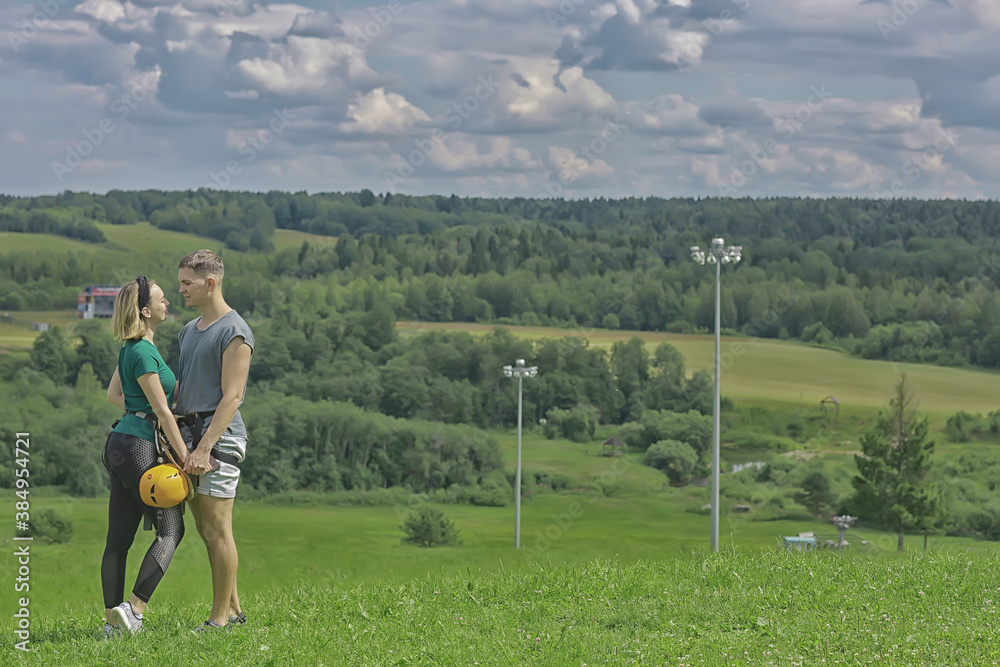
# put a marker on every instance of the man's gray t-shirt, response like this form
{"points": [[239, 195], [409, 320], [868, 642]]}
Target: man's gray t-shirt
{"points": [[201, 366]]}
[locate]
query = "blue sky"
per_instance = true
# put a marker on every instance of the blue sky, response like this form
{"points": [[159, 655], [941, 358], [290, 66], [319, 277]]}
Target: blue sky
{"points": [[574, 98]]}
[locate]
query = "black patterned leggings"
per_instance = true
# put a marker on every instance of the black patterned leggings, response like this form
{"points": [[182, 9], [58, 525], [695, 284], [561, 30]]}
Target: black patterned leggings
{"points": [[128, 457]]}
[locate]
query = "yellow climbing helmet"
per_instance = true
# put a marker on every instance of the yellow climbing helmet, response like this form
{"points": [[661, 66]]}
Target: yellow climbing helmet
{"points": [[164, 485]]}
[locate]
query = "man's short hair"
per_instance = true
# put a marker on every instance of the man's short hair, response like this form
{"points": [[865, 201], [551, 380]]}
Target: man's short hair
{"points": [[205, 263]]}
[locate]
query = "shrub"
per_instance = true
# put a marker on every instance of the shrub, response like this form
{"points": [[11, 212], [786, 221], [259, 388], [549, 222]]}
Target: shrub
{"points": [[691, 427], [493, 491], [962, 426], [49, 526], [577, 424], [777, 471], [676, 459], [429, 527]]}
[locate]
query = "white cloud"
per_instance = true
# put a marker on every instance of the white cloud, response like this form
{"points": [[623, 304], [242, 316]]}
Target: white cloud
{"points": [[458, 153], [668, 114], [107, 11], [549, 88], [569, 167], [379, 112], [550, 98], [304, 64]]}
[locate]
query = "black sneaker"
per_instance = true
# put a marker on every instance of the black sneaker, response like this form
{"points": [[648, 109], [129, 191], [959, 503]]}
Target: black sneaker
{"points": [[238, 620]]}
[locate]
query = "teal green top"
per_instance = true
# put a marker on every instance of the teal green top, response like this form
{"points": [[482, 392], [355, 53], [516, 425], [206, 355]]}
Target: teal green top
{"points": [[136, 358]]}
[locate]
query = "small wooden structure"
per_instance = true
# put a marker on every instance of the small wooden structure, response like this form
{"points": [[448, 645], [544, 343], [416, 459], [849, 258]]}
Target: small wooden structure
{"points": [[830, 404], [613, 447]]}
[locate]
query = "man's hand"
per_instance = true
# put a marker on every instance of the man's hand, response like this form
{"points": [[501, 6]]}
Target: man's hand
{"points": [[198, 463]]}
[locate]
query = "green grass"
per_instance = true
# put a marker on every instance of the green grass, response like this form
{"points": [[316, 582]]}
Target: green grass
{"points": [[144, 237], [597, 579], [11, 243], [765, 607], [642, 518]]}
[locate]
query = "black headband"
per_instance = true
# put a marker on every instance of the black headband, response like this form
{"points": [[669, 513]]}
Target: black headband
{"points": [[143, 292]]}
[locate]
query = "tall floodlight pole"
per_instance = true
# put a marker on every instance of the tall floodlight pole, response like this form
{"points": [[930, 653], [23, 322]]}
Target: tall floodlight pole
{"points": [[717, 254], [520, 371]]}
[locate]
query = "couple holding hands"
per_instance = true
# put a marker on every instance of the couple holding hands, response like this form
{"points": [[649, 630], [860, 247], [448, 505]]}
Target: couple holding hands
{"points": [[215, 351]]}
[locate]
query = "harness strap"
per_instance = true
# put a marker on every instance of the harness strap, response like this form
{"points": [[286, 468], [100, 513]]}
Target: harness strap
{"points": [[195, 422], [225, 457]]}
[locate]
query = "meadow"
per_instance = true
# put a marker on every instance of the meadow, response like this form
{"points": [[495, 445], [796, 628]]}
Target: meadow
{"points": [[600, 577], [626, 581], [623, 578]]}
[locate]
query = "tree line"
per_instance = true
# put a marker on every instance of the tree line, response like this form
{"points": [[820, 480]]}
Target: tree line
{"points": [[904, 280]]}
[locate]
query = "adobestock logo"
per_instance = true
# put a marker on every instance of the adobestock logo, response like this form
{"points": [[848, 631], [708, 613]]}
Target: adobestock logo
{"points": [[901, 13], [383, 16], [253, 145], [30, 25], [455, 117], [788, 125], [122, 107]]}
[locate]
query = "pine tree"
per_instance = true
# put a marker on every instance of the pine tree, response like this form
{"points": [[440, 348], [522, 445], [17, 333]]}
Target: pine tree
{"points": [[891, 485]]}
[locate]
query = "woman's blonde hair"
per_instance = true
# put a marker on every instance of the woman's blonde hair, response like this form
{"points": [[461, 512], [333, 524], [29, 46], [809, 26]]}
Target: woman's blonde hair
{"points": [[127, 322]]}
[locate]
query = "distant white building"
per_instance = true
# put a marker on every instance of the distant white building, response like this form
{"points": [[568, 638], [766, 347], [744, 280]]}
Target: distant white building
{"points": [[39, 326]]}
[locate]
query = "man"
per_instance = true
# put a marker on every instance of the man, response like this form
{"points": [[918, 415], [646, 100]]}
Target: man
{"points": [[215, 351]]}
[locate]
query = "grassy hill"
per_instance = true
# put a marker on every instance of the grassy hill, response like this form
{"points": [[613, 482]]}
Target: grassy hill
{"points": [[140, 237], [768, 372]]}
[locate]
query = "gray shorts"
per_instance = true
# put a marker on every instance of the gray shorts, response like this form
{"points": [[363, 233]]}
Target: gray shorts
{"points": [[222, 483]]}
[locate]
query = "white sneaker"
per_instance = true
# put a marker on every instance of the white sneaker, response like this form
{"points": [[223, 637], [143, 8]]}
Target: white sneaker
{"points": [[125, 618]]}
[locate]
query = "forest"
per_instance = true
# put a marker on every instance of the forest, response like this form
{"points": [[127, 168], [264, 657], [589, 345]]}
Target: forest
{"points": [[901, 280], [342, 402]]}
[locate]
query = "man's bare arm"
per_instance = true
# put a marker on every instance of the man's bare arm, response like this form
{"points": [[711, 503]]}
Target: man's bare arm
{"points": [[235, 369]]}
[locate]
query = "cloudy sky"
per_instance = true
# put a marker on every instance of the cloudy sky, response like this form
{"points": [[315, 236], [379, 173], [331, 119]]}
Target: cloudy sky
{"points": [[574, 98]]}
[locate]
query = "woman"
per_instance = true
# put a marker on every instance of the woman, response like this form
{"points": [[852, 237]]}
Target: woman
{"points": [[143, 386]]}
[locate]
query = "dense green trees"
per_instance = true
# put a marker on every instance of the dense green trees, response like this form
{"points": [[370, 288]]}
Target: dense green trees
{"points": [[905, 280]]}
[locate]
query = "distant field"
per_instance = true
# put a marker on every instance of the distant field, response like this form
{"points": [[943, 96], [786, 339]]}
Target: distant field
{"points": [[145, 237], [48, 243], [19, 335], [141, 236], [767, 371]]}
